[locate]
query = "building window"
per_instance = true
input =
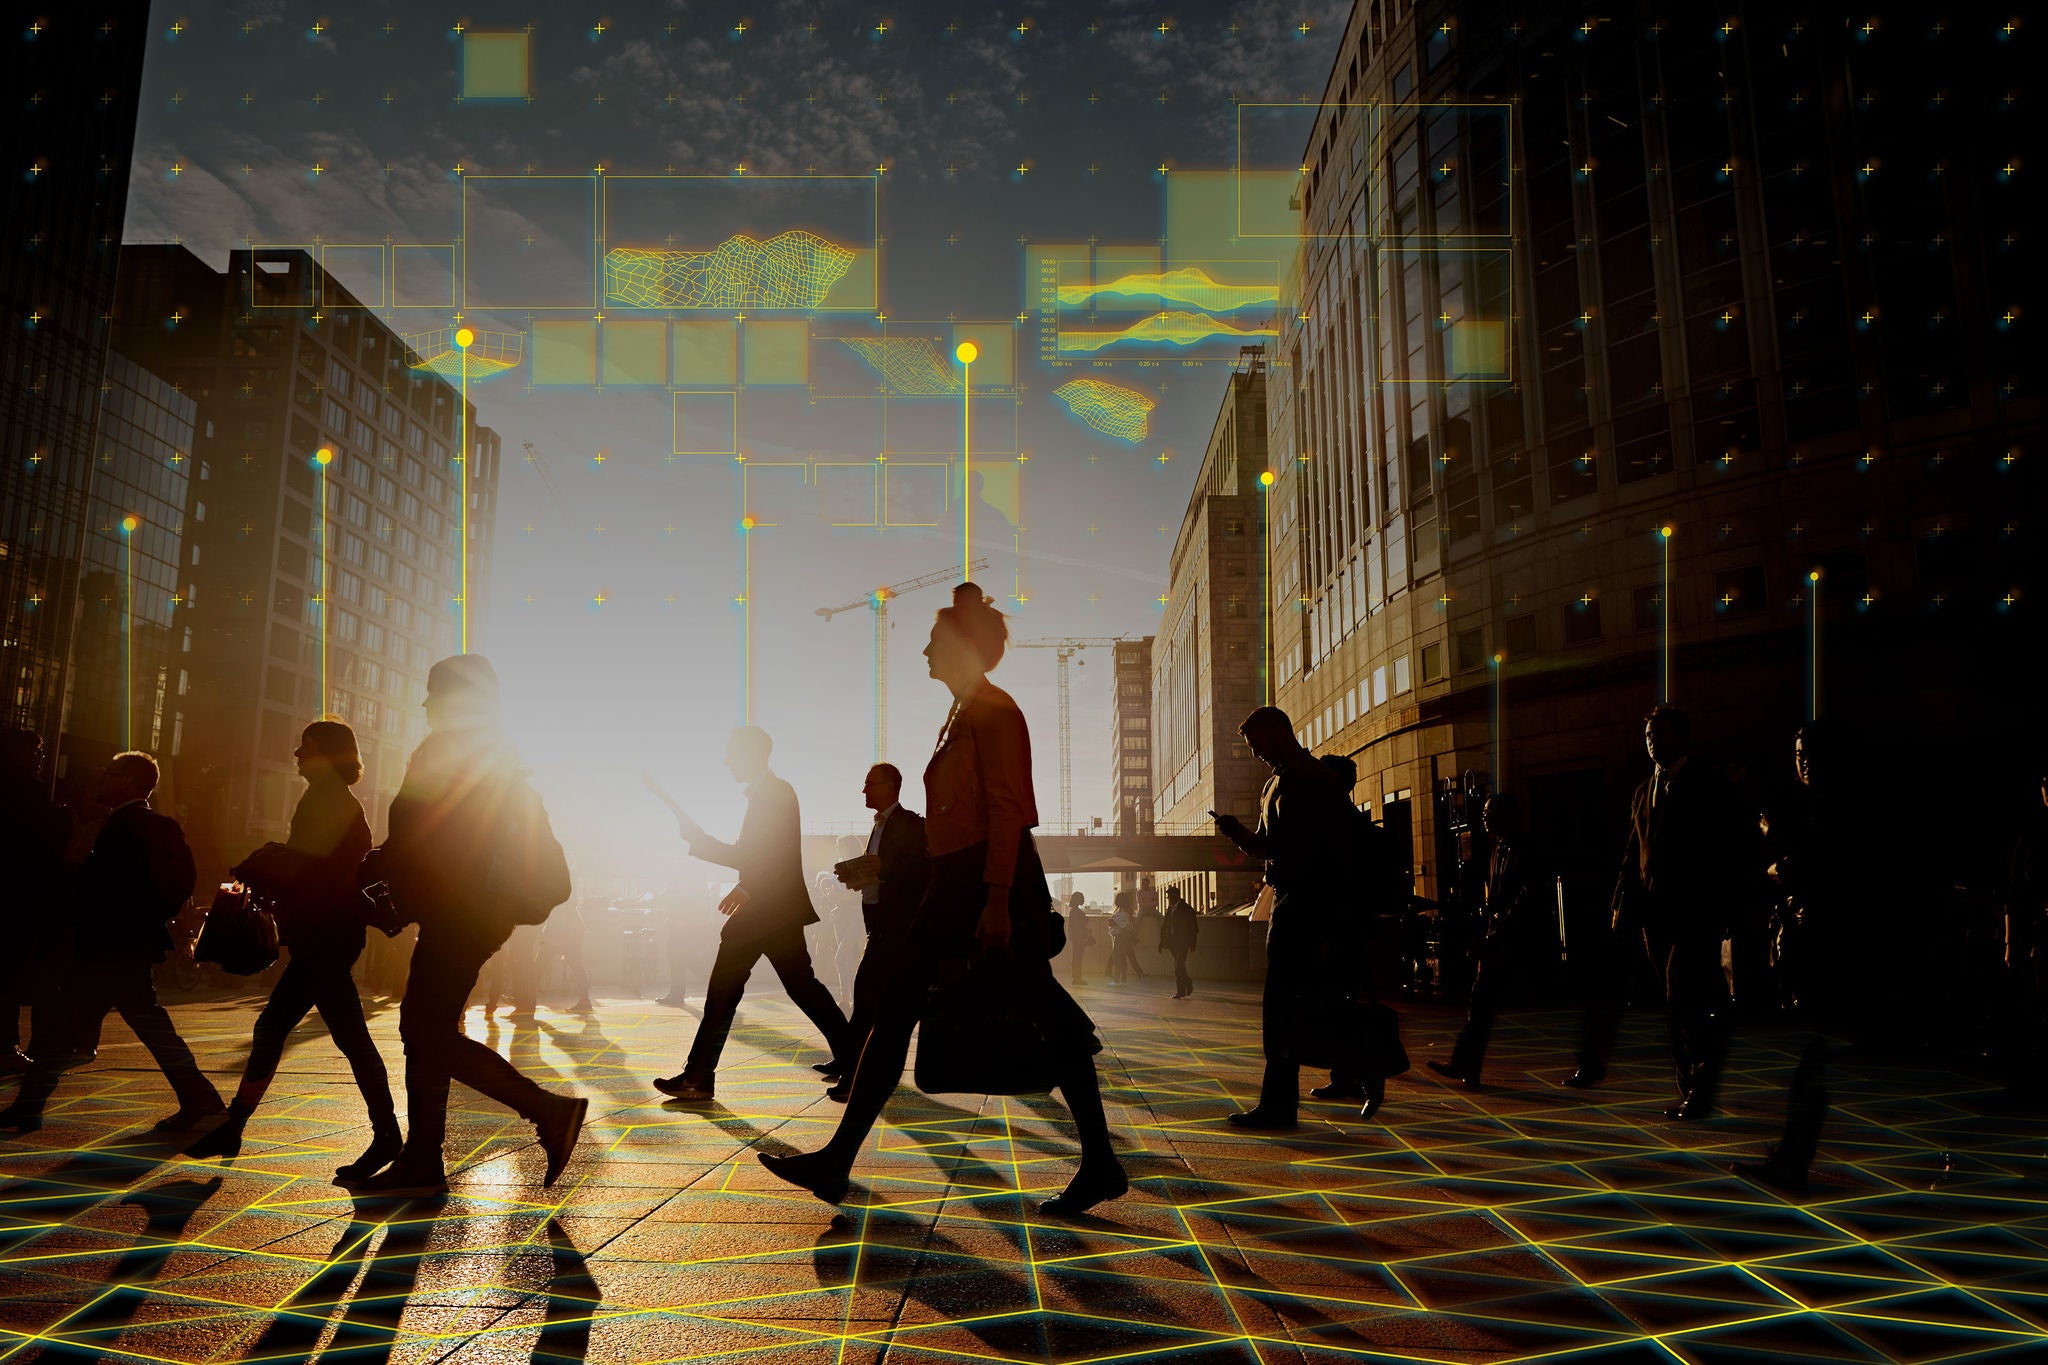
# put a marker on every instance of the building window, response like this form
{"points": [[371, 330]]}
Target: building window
{"points": [[1470, 650], [1432, 662], [1646, 607], [1520, 634], [1582, 620], [1233, 606], [1401, 683], [1379, 686]]}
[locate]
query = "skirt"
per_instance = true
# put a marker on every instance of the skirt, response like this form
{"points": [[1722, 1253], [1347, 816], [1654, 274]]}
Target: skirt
{"points": [[989, 1015]]}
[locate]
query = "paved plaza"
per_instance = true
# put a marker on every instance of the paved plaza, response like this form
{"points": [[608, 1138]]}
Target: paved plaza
{"points": [[1523, 1222]]}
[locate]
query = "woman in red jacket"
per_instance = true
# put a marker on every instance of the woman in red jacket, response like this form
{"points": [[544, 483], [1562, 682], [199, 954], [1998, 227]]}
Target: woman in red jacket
{"points": [[987, 891]]}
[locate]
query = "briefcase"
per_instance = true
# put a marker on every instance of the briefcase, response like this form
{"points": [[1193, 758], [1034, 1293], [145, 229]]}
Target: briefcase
{"points": [[240, 933], [982, 1032], [1338, 1030]]}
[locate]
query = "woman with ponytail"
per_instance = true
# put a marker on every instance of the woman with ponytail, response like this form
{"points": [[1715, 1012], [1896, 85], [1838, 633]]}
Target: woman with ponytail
{"points": [[987, 894]]}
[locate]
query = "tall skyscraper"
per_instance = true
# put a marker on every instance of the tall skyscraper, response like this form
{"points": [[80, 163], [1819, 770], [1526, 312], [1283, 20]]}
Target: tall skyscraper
{"points": [[1130, 742], [1631, 361], [72, 75], [1209, 657], [312, 587]]}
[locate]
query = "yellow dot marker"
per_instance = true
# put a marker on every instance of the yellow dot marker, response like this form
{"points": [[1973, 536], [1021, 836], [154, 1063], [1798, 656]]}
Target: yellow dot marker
{"points": [[746, 523], [1664, 531], [129, 523], [966, 352], [1265, 478], [1813, 577], [463, 338], [323, 455]]}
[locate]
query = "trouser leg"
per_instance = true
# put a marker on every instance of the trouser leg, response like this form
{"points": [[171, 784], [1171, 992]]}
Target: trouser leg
{"points": [[444, 972], [85, 1001], [289, 1001], [1469, 1055], [341, 1009], [791, 959], [135, 998], [877, 965], [1280, 1086], [880, 1068], [1698, 999], [1806, 1110], [729, 972], [1182, 982]]}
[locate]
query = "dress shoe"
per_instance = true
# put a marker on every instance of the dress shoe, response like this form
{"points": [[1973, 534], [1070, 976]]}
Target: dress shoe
{"points": [[808, 1171], [1338, 1093], [1451, 1071], [400, 1180], [225, 1140], [1262, 1119], [21, 1120], [830, 1069], [189, 1116], [683, 1088], [385, 1144], [839, 1091], [1587, 1076], [1091, 1185], [558, 1133]]}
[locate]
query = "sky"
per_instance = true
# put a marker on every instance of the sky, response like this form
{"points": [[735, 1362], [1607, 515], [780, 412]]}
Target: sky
{"points": [[615, 618]]}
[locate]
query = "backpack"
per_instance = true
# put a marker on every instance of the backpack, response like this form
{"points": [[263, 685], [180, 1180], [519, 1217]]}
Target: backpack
{"points": [[528, 874]]}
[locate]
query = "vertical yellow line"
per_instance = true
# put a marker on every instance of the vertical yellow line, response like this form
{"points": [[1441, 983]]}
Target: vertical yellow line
{"points": [[747, 622], [127, 642], [462, 430], [322, 458], [1266, 516], [965, 353]]}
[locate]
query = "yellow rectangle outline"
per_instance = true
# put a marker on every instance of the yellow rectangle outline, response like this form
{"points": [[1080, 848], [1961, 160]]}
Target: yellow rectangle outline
{"points": [[596, 304], [676, 396], [312, 250], [873, 466], [1505, 249], [945, 473], [454, 271], [383, 271]]}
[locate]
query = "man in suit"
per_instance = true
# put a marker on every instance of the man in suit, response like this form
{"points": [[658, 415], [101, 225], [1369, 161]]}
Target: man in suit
{"points": [[766, 915], [1682, 866], [891, 885], [1178, 928], [132, 884], [33, 829], [1516, 939], [445, 859], [1304, 824]]}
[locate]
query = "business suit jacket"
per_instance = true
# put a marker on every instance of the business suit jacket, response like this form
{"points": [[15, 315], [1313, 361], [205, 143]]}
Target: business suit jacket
{"points": [[905, 868], [1681, 867], [133, 883], [769, 857]]}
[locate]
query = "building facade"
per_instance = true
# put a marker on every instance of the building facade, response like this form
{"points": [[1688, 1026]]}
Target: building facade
{"points": [[312, 588], [75, 73], [1209, 662], [1130, 744], [1629, 361], [128, 677]]}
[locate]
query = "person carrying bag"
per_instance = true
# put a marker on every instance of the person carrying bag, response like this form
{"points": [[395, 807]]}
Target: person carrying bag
{"points": [[977, 969]]}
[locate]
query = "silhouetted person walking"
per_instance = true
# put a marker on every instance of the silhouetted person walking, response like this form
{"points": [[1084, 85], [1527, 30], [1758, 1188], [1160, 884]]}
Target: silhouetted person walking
{"points": [[1370, 883], [1303, 818], [1515, 934], [891, 883], [1080, 938], [987, 896], [33, 831], [1684, 857], [1178, 929], [766, 915], [311, 880], [464, 834], [133, 883]]}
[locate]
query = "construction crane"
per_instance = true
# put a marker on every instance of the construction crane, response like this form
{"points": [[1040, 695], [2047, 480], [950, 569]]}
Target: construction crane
{"points": [[547, 479], [1065, 649], [878, 602]]}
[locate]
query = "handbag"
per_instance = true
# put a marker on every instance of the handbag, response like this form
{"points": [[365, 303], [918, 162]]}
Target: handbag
{"points": [[981, 1031], [240, 933]]}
